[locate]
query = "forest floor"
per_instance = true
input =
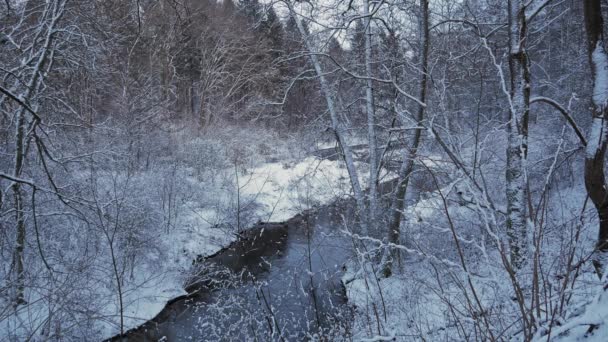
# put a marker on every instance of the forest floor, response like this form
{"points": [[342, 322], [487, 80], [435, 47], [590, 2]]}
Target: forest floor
{"points": [[413, 303], [270, 192]]}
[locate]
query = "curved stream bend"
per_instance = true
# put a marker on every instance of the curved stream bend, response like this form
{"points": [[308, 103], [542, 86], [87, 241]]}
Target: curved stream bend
{"points": [[281, 281]]}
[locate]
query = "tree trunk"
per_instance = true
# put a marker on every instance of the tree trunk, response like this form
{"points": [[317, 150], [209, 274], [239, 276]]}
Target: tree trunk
{"points": [[19, 216], [407, 165], [595, 180], [517, 145], [371, 121], [336, 125], [53, 11]]}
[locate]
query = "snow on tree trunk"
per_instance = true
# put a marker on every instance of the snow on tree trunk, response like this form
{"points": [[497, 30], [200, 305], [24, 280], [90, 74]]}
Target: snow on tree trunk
{"points": [[371, 121], [516, 178], [335, 121], [54, 11], [595, 180]]}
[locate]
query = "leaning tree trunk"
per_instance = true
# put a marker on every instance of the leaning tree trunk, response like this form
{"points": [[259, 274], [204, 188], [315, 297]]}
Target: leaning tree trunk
{"points": [[595, 180], [517, 146], [407, 165], [335, 121]]}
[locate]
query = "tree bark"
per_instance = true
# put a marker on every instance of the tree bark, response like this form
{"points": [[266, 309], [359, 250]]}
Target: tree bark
{"points": [[55, 12], [517, 145], [335, 121], [595, 181], [371, 121], [407, 165]]}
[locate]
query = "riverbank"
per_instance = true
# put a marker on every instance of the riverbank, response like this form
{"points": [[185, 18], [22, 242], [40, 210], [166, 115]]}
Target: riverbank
{"points": [[270, 192], [282, 279]]}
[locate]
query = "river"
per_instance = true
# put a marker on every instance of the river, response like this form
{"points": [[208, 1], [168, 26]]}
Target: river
{"points": [[279, 283]]}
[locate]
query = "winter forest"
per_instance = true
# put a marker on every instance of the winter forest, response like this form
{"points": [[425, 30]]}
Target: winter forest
{"points": [[303, 170]]}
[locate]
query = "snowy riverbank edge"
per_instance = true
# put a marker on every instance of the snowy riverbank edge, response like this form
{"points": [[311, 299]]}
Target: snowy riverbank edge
{"points": [[280, 191]]}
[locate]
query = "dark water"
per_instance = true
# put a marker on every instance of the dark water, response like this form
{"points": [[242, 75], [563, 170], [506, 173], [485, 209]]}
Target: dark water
{"points": [[282, 283]]}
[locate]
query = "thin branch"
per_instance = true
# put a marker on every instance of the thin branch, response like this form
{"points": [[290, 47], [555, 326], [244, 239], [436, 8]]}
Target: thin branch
{"points": [[534, 11], [19, 102], [17, 180], [565, 113]]}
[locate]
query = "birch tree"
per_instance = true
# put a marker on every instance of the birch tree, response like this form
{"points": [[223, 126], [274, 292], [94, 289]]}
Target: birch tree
{"points": [[337, 126], [517, 149], [371, 118], [595, 181]]}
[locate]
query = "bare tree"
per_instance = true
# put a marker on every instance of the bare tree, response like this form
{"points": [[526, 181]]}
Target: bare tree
{"points": [[337, 126], [407, 164], [371, 118], [595, 180], [39, 53], [517, 149]]}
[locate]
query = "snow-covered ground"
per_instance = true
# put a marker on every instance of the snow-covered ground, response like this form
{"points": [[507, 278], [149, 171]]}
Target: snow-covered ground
{"points": [[269, 192], [587, 323], [418, 301], [427, 298]]}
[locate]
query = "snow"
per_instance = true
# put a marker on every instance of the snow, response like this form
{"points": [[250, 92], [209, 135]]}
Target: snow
{"points": [[578, 327], [598, 131], [397, 298], [280, 191], [146, 297], [203, 223], [401, 302], [285, 190], [599, 58], [597, 135], [410, 305]]}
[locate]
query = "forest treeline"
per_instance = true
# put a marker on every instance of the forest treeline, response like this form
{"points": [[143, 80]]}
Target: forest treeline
{"points": [[489, 116]]}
